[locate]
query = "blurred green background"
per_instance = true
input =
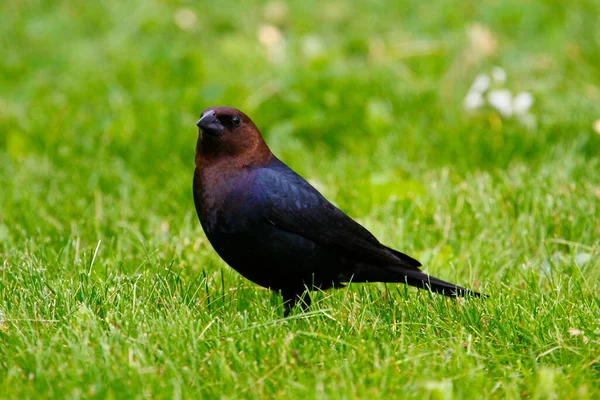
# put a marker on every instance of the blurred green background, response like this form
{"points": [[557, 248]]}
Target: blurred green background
{"points": [[98, 102]]}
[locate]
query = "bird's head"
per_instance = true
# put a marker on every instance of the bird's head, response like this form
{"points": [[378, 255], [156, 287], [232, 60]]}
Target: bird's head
{"points": [[227, 132]]}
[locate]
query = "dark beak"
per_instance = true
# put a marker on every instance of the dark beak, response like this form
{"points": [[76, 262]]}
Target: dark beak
{"points": [[210, 124]]}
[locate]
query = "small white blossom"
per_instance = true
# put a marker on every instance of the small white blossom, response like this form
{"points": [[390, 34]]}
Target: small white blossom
{"points": [[522, 103], [481, 83], [473, 100], [487, 90], [501, 100]]}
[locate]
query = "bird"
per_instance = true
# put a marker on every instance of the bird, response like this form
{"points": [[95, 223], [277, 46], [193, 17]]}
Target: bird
{"points": [[274, 228]]}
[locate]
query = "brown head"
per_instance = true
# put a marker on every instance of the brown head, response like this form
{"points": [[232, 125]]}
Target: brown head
{"points": [[227, 134]]}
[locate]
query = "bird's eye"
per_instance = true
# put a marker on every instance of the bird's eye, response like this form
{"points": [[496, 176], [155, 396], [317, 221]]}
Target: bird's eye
{"points": [[235, 120]]}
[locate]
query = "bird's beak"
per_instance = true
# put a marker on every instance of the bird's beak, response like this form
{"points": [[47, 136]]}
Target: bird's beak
{"points": [[210, 124]]}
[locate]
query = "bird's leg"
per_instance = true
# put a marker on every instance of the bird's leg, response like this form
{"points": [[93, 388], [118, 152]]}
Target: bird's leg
{"points": [[291, 298]]}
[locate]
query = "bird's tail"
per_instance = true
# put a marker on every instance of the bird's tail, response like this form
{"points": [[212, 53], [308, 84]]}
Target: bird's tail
{"points": [[423, 281], [413, 277]]}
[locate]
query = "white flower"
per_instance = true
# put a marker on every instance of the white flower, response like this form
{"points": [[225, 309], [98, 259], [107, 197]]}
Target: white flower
{"points": [[473, 100], [522, 103], [501, 100], [484, 91], [481, 83]]}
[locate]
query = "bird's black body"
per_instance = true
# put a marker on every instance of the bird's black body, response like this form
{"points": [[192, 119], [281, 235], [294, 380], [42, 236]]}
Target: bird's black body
{"points": [[278, 231]]}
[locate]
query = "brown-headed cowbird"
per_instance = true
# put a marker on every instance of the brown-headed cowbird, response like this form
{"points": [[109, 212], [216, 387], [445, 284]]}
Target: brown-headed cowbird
{"points": [[277, 230]]}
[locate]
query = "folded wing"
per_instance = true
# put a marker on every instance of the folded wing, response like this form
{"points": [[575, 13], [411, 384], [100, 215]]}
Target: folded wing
{"points": [[296, 206]]}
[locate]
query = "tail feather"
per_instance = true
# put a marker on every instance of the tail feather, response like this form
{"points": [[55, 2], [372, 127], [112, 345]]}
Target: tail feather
{"points": [[412, 277], [424, 281]]}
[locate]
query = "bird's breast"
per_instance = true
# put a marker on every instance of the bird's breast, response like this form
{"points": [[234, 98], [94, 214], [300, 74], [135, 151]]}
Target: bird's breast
{"points": [[219, 196]]}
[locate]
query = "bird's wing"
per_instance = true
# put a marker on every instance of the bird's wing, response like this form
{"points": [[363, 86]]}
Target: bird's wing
{"points": [[295, 206]]}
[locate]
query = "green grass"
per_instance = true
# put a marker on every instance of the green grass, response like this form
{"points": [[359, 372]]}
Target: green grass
{"points": [[109, 288]]}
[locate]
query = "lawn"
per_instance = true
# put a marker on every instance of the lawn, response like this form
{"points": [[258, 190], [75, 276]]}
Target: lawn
{"points": [[109, 288]]}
